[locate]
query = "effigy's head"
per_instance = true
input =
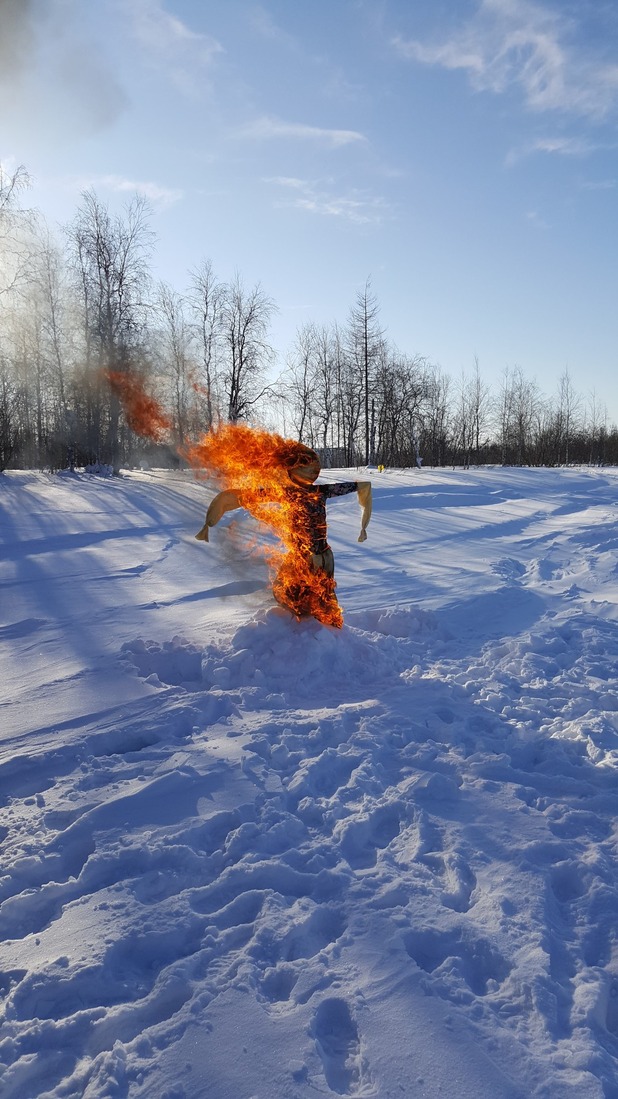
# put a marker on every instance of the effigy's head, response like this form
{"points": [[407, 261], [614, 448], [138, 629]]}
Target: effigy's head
{"points": [[253, 461], [301, 463]]}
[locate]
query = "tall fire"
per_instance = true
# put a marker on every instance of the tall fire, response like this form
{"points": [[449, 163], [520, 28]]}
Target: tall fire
{"points": [[273, 479]]}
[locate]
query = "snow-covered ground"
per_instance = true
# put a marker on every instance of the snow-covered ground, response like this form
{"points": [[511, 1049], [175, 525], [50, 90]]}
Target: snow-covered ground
{"points": [[245, 857]]}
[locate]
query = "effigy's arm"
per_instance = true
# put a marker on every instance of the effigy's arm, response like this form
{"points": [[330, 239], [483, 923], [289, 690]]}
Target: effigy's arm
{"points": [[363, 489], [227, 500]]}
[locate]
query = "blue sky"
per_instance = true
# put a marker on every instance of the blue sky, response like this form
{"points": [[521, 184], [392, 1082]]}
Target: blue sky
{"points": [[464, 155]]}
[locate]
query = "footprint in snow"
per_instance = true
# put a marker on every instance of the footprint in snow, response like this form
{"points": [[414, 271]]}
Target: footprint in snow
{"points": [[567, 881], [611, 1017], [361, 839], [278, 983], [475, 961], [338, 1044], [508, 568], [546, 569], [459, 883]]}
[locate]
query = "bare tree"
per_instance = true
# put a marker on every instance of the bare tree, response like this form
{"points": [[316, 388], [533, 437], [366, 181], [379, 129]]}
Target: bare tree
{"points": [[312, 388], [9, 433], [16, 228], [569, 407], [399, 389], [596, 425], [111, 257], [10, 186], [350, 406], [54, 301], [300, 381], [462, 423], [173, 353], [520, 400], [206, 300], [29, 365], [365, 340], [326, 347], [472, 415], [435, 416], [504, 403], [349, 393], [245, 321], [479, 404]]}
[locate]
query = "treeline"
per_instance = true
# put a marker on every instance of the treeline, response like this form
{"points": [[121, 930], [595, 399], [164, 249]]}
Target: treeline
{"points": [[77, 304]]}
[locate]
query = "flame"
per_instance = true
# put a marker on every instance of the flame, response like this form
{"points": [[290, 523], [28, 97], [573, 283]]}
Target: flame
{"points": [[256, 464], [144, 414]]}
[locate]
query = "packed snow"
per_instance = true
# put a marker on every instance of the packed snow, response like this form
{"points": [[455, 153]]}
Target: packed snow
{"points": [[250, 857]]}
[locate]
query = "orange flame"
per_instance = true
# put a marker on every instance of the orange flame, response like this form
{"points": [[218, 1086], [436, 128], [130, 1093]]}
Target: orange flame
{"points": [[256, 464], [144, 414]]}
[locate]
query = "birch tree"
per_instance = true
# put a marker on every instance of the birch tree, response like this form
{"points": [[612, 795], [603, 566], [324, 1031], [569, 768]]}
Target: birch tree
{"points": [[245, 324], [111, 254]]}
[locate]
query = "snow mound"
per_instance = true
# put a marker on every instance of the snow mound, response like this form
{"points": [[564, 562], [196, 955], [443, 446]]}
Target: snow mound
{"points": [[176, 661], [307, 658]]}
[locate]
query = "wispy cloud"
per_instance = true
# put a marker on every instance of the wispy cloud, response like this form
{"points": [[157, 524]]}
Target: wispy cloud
{"points": [[525, 45], [320, 198], [268, 128], [185, 53], [535, 219], [160, 197], [264, 24], [563, 146], [552, 146], [599, 185], [331, 80]]}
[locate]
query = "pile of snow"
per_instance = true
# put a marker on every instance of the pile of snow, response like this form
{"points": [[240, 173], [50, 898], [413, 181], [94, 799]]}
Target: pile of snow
{"points": [[246, 857]]}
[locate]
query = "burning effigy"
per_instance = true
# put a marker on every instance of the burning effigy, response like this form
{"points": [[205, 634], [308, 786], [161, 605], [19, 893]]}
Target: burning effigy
{"points": [[274, 480]]}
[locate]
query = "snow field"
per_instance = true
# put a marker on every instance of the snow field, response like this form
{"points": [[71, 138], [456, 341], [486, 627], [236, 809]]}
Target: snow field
{"points": [[244, 856]]}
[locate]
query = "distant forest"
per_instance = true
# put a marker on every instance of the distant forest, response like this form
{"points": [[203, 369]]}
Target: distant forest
{"points": [[84, 300]]}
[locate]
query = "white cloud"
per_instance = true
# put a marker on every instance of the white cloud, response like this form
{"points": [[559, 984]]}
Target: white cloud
{"points": [[288, 181], [263, 23], [185, 54], [564, 146], [268, 128], [161, 197], [319, 198], [535, 219], [163, 33], [599, 185], [517, 43], [552, 146]]}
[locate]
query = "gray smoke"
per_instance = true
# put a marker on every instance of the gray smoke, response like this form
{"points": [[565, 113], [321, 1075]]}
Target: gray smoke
{"points": [[16, 36], [51, 77]]}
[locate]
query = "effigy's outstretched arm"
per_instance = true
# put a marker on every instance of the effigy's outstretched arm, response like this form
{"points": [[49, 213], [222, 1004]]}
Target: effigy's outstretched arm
{"points": [[227, 500], [363, 489]]}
